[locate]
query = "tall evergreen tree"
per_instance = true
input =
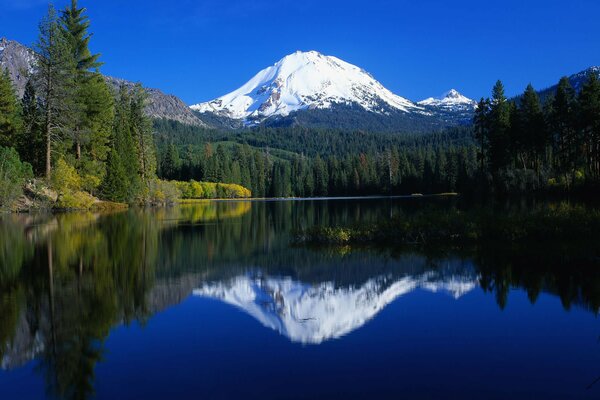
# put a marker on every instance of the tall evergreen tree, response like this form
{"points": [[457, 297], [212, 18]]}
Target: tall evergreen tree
{"points": [[31, 147], [563, 124], [98, 117], [76, 25], [481, 130], [589, 102], [92, 99], [533, 126], [55, 79], [499, 134], [124, 160], [141, 130], [171, 163], [10, 113]]}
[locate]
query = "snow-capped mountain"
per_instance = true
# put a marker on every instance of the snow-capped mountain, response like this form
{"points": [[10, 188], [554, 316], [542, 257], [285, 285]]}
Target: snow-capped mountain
{"points": [[312, 314], [451, 100], [302, 81]]}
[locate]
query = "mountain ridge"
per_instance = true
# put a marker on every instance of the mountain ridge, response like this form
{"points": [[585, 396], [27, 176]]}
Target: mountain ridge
{"points": [[19, 60]]}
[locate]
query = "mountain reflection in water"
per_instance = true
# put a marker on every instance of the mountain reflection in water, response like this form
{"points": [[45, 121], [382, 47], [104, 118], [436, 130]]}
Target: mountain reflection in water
{"points": [[314, 313], [68, 281]]}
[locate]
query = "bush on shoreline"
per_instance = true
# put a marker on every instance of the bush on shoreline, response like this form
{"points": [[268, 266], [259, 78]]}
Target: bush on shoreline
{"points": [[210, 190]]}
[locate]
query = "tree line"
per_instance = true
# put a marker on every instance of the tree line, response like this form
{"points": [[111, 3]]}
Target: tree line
{"points": [[403, 167], [526, 145]]}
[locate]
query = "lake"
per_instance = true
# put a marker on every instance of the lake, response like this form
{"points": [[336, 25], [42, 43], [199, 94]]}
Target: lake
{"points": [[214, 300]]}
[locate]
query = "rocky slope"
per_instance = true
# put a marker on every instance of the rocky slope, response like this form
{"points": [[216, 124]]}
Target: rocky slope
{"points": [[19, 60]]}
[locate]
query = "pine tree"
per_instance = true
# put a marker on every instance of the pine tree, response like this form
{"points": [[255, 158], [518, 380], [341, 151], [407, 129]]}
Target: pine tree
{"points": [[55, 79], [76, 25], [321, 177], [141, 130], [98, 117], [499, 134], [563, 123], [93, 105], [481, 129], [534, 128], [171, 162], [589, 102], [115, 186], [31, 145], [125, 157], [10, 113]]}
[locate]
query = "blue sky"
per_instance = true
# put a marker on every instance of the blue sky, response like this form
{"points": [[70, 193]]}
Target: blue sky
{"points": [[201, 49]]}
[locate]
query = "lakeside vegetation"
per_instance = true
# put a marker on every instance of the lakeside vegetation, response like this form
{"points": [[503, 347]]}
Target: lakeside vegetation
{"points": [[561, 223]]}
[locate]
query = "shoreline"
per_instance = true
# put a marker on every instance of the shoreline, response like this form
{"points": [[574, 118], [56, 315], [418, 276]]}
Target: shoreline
{"points": [[101, 206], [274, 199]]}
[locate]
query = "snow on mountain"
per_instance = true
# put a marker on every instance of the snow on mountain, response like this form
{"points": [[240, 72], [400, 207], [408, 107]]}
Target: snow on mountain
{"points": [[452, 99], [305, 80], [312, 314]]}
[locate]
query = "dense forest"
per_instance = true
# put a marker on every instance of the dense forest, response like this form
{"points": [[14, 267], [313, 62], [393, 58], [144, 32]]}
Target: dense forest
{"points": [[524, 145]]}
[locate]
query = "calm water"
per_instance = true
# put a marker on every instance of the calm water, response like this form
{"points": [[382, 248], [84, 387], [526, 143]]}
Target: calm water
{"points": [[213, 301]]}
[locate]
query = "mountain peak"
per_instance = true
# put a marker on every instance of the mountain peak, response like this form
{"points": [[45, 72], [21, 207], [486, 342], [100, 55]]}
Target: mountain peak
{"points": [[452, 94], [305, 80], [450, 99]]}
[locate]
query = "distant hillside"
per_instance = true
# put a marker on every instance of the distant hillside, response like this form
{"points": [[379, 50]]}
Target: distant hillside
{"points": [[577, 80], [20, 61]]}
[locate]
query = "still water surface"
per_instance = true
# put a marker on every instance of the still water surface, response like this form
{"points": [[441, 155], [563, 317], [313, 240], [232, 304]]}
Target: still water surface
{"points": [[214, 301]]}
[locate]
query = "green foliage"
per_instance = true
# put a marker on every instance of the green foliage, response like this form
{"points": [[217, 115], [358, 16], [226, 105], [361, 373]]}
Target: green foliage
{"points": [[10, 113], [162, 192], [356, 163], [131, 166], [32, 144], [75, 200], [115, 186], [55, 78], [75, 25], [67, 182], [13, 175], [65, 177]]}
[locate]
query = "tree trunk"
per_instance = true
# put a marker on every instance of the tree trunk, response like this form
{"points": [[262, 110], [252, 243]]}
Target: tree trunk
{"points": [[48, 150]]}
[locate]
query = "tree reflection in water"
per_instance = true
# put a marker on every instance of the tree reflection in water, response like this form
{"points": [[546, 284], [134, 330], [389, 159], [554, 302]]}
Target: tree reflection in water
{"points": [[66, 280]]}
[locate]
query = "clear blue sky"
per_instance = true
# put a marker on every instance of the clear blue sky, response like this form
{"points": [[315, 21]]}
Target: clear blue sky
{"points": [[201, 49]]}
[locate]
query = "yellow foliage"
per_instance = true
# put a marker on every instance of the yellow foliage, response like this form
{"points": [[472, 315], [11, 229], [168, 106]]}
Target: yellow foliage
{"points": [[75, 200], [211, 190], [65, 177]]}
